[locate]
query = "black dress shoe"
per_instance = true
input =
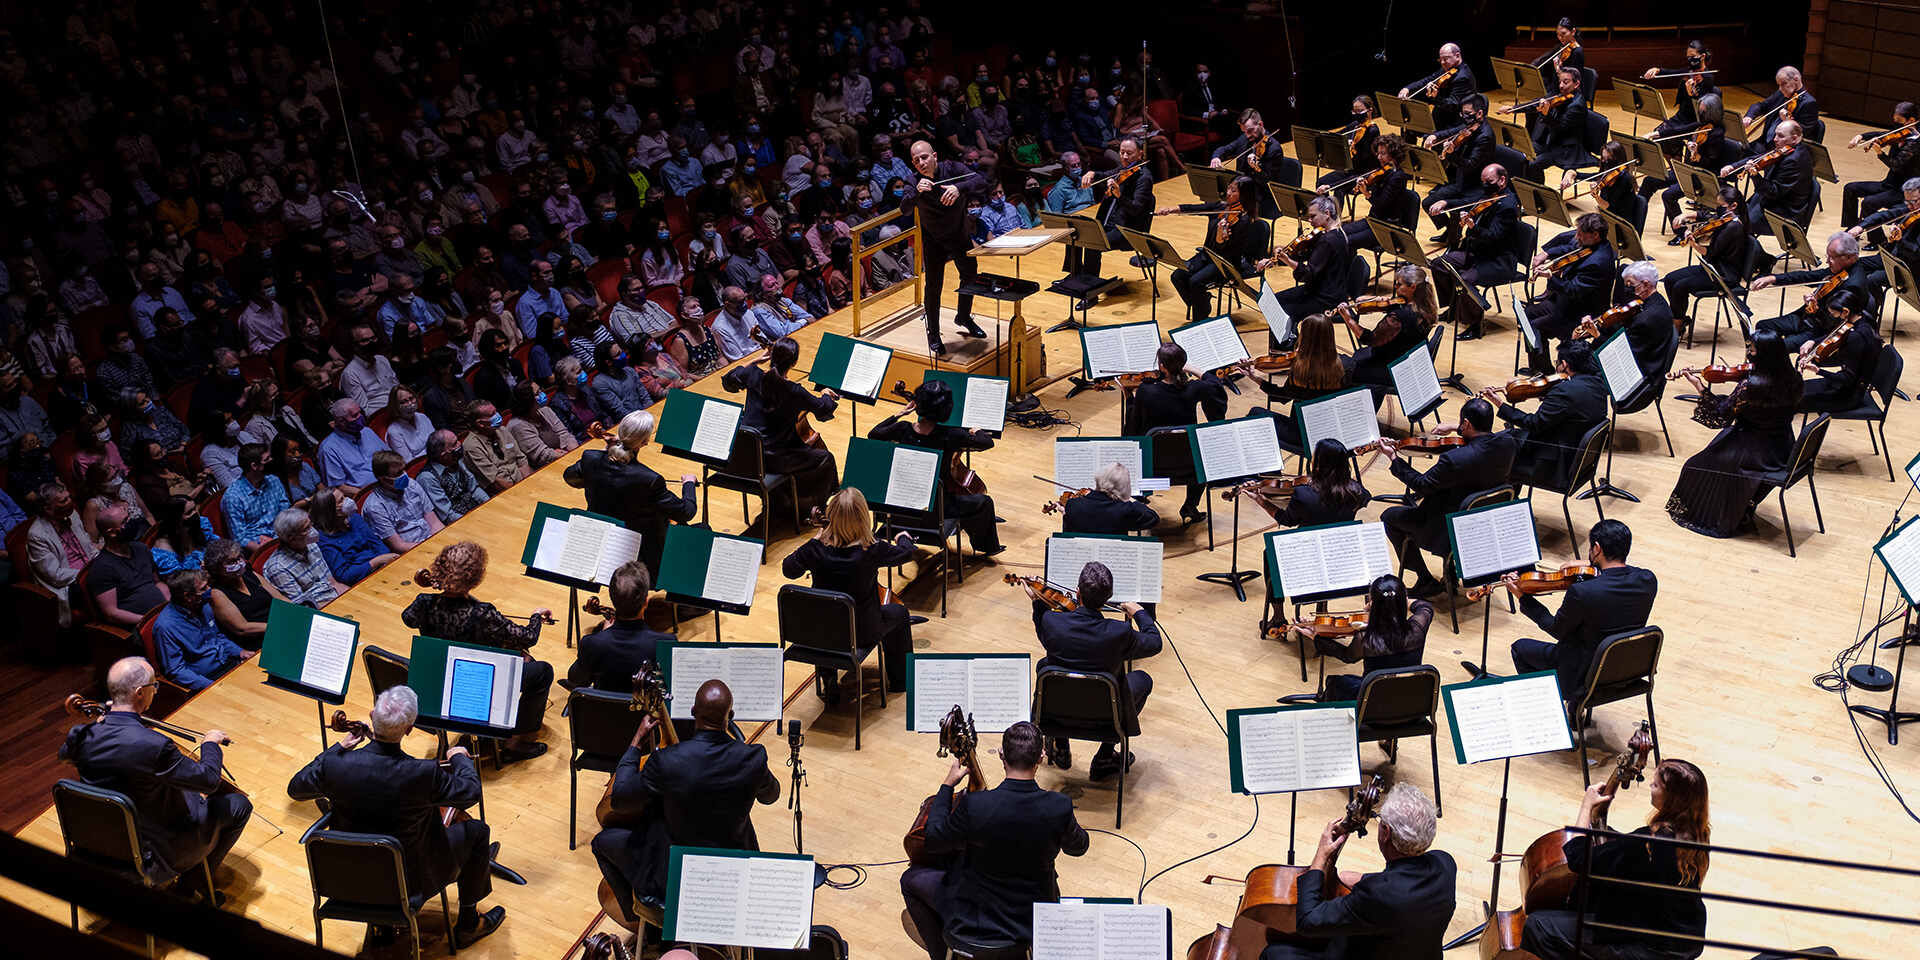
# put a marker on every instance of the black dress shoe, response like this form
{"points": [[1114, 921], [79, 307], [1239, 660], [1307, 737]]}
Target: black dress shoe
{"points": [[517, 754], [1189, 517], [468, 934], [1106, 764], [1426, 588], [970, 328], [379, 936], [935, 345], [1059, 753], [1470, 333]]}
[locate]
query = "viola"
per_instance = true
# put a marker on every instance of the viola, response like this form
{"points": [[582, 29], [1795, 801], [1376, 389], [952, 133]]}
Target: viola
{"points": [[1266, 487], [1696, 142], [1900, 227], [1134, 381], [1596, 327], [1787, 106], [1052, 507], [1458, 140], [91, 711], [1225, 222], [1544, 104], [1271, 896], [1060, 600], [1829, 344], [1703, 230], [1299, 244], [1881, 141], [650, 697], [1534, 582], [1717, 373], [1434, 443], [957, 739], [1527, 388], [1753, 166]]}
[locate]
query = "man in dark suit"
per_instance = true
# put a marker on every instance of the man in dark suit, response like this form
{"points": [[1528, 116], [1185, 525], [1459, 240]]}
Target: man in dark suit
{"points": [[1902, 159], [1085, 640], [182, 819], [1125, 198], [1005, 840], [941, 210], [1789, 86], [1787, 186], [699, 792], [1580, 290], [1560, 138], [1843, 262], [1169, 401], [1400, 913], [1200, 100], [619, 485], [1903, 244], [1619, 599], [1487, 250], [1551, 434], [1448, 88], [1485, 461], [384, 791], [1109, 508], [1465, 164], [1261, 156], [623, 645]]}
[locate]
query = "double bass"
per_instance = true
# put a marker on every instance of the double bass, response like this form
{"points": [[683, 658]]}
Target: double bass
{"points": [[1545, 878], [957, 739], [650, 697], [1271, 897]]}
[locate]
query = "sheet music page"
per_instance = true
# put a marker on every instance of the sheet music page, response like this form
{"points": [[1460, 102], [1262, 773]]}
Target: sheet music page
{"points": [[1131, 931], [1106, 353], [549, 550], [1513, 527], [985, 405], [1526, 326], [1511, 719], [1901, 556], [754, 675], [1221, 456], [1415, 380], [1476, 544], [329, 655], [744, 901], [1269, 752], [1346, 417], [1066, 931], [1329, 755], [866, 367], [708, 906], [1498, 539], [1342, 559], [1913, 472], [1301, 562], [1135, 564], [621, 546], [1259, 444], [1619, 367], [692, 665], [1212, 344], [999, 692], [713, 435], [1376, 549], [910, 478], [1298, 750], [1066, 556], [1278, 323], [1141, 342], [581, 557], [939, 685], [1480, 721], [778, 907], [1076, 461], [1009, 242], [733, 566]]}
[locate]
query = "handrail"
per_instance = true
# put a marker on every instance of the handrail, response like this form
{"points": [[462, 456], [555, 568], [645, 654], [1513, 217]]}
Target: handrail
{"points": [[860, 252]]}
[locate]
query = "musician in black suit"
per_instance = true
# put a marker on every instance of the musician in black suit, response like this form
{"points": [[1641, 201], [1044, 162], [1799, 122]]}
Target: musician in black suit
{"points": [[1802, 112], [622, 645], [845, 556], [1006, 840], [1260, 155], [1465, 165], [941, 211], [1728, 248], [1331, 494], [1582, 289], [1551, 434], [1363, 131], [1447, 88], [1650, 331], [1561, 137], [1713, 152], [1169, 400], [1485, 461], [1400, 913], [1844, 375], [183, 816], [1389, 197], [1842, 267], [1085, 640], [382, 790], [1233, 232], [1126, 200], [932, 405], [775, 404], [1902, 159], [1109, 507], [1618, 600], [1902, 241], [618, 485], [1319, 280], [1488, 248], [1692, 89], [1787, 185], [699, 792]]}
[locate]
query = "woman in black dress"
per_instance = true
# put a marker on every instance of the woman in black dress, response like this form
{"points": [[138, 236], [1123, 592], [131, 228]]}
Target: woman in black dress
{"points": [[774, 406], [1396, 636], [1620, 197], [1678, 791], [1401, 328], [932, 405], [844, 556], [1388, 198], [1849, 367], [1169, 402], [1317, 370], [241, 600], [1330, 495], [1233, 232], [1720, 485], [1364, 126], [453, 614]]}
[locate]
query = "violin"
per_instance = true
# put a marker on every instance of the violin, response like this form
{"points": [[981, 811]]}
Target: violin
{"points": [[1275, 362], [1543, 104], [1895, 230], [1299, 244], [960, 476], [1433, 443], [1717, 373], [1606, 178], [1134, 381], [1535, 582], [1331, 624], [1225, 222], [1788, 106], [1755, 165], [1703, 230], [1268, 487], [1433, 89], [91, 711], [650, 696], [1696, 142], [958, 739], [1565, 48], [1527, 388], [1829, 344], [1879, 142], [425, 578], [1271, 896], [1455, 142], [1062, 601], [1052, 507], [1372, 304], [1560, 263], [1596, 327], [1825, 290]]}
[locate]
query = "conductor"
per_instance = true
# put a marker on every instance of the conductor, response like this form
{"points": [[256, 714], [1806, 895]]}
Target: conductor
{"points": [[939, 204]]}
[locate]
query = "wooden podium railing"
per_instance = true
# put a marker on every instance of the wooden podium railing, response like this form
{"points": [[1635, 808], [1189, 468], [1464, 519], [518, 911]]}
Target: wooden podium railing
{"points": [[860, 251]]}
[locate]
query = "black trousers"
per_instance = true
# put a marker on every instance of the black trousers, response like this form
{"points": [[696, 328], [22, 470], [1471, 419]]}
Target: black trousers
{"points": [[229, 813], [1471, 312], [1192, 280], [620, 866], [896, 638], [471, 840], [1405, 530], [1450, 194], [1090, 259], [1861, 197], [535, 683], [936, 278], [974, 512], [920, 888], [1549, 936], [1686, 283]]}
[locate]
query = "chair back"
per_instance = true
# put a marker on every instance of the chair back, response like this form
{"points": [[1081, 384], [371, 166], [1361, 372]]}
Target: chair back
{"points": [[1165, 114], [1509, 157], [1486, 498], [600, 722], [1076, 705], [1598, 126], [1398, 695], [262, 554], [357, 868], [1886, 373], [1621, 665], [1172, 454], [817, 620], [1589, 81], [1806, 450], [1525, 238], [99, 824], [1359, 276], [747, 463], [1592, 446], [384, 668]]}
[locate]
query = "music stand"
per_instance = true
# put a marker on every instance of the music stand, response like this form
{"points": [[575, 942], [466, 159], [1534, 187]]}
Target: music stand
{"points": [[1640, 100], [1541, 202], [1822, 161], [1324, 149], [1157, 251], [1406, 114], [1231, 275], [1291, 201], [1522, 79], [1792, 238], [1209, 185], [1652, 160], [1426, 165], [1087, 234], [1625, 239], [1398, 241], [1736, 303], [1514, 137], [1453, 378], [1698, 183]]}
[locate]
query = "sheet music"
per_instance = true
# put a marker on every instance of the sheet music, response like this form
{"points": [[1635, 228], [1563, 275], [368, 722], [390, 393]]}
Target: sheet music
{"points": [[733, 566], [1514, 718], [744, 901], [1900, 553], [329, 656], [984, 406], [1415, 379], [1211, 344], [1619, 367], [1278, 323], [995, 691], [482, 685], [470, 694], [549, 553], [1100, 931], [713, 435], [1009, 241], [866, 367], [1112, 351], [621, 546], [1526, 326], [1237, 448], [1135, 564], [1346, 417], [1496, 539], [1288, 750], [580, 552], [753, 674], [1332, 560], [910, 478], [1076, 461], [939, 685]]}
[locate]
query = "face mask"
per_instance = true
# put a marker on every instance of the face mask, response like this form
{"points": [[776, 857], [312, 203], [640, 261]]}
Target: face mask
{"points": [[103, 436], [232, 371], [494, 421], [120, 534], [407, 298], [822, 181], [899, 191], [618, 359], [467, 177], [866, 204], [973, 211], [663, 235], [1052, 62], [269, 292], [747, 211], [580, 378], [233, 569], [540, 398], [498, 306], [400, 483]]}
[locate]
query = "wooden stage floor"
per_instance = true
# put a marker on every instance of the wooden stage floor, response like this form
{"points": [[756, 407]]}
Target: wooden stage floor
{"points": [[1747, 630]]}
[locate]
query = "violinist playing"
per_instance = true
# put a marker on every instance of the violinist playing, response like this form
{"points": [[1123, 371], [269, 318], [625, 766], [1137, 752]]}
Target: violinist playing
{"points": [[1007, 840], [1402, 327], [1395, 636], [1109, 508], [845, 556], [1551, 433], [1692, 89], [1466, 164], [1167, 399], [1387, 185], [1618, 600], [1842, 271], [932, 405], [455, 614], [1790, 88], [1401, 912], [618, 485], [1487, 248], [1787, 185], [1449, 88], [1650, 328], [1486, 460], [1722, 239], [1678, 792], [1899, 149], [381, 789], [1316, 371], [1612, 189], [775, 404], [1843, 357], [1260, 155], [1567, 52], [183, 815], [1364, 128], [1331, 494], [1559, 138], [1084, 640], [1583, 288], [1126, 200], [1720, 485], [611, 653], [1233, 232], [1703, 144], [1320, 278], [1899, 227]]}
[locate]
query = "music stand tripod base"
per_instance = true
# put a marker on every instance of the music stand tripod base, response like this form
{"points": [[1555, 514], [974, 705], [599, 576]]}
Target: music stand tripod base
{"points": [[1891, 714], [1233, 576]]}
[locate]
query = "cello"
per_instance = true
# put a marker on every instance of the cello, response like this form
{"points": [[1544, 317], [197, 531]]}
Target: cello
{"points": [[1271, 897], [650, 696], [957, 739], [959, 473], [91, 711], [340, 723]]}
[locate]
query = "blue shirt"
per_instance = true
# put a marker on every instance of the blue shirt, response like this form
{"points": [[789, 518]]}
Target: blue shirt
{"points": [[166, 561], [1068, 195], [350, 553], [682, 176], [192, 649], [780, 318], [424, 315], [145, 305], [349, 460], [10, 514], [1000, 218], [532, 304], [405, 517], [250, 510], [301, 576], [882, 172]]}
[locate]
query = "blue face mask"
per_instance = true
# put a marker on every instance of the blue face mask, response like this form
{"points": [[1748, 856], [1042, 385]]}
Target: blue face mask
{"points": [[747, 211], [581, 378], [609, 214], [540, 397], [618, 358], [233, 371], [400, 483], [494, 421], [663, 235]]}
